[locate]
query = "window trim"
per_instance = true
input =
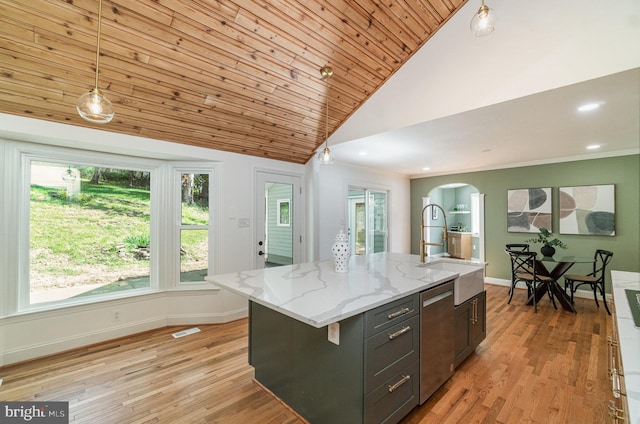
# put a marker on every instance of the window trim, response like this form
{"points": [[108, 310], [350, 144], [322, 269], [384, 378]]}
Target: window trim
{"points": [[53, 155], [14, 263], [176, 172]]}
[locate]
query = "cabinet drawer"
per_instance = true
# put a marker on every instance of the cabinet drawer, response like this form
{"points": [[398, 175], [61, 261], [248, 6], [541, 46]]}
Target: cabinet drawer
{"points": [[389, 351], [395, 398], [385, 316]]}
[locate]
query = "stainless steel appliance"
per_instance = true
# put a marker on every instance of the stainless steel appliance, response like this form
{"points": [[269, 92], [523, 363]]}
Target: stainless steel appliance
{"points": [[437, 345]]}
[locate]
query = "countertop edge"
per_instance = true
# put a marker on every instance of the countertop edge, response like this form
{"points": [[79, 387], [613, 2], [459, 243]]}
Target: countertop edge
{"points": [[247, 284], [325, 322]]}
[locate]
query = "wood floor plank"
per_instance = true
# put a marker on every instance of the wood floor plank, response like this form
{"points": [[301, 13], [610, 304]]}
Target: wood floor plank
{"points": [[548, 367]]}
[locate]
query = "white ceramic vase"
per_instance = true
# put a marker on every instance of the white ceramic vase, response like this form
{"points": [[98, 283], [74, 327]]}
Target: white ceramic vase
{"points": [[341, 252]]}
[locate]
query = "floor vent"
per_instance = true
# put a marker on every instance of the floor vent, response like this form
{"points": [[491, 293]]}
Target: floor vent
{"points": [[186, 332]]}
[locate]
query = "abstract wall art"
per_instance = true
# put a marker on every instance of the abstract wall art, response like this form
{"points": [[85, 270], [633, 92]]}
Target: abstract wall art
{"points": [[588, 210], [528, 210]]}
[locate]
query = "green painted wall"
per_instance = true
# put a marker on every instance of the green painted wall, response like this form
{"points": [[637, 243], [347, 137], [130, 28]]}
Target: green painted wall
{"points": [[623, 171]]}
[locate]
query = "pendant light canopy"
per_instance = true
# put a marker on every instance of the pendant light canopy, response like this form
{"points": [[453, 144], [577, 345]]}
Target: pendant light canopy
{"points": [[483, 22], [325, 157], [94, 106]]}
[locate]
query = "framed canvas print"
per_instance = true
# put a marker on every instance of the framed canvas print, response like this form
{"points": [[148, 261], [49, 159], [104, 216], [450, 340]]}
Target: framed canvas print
{"points": [[588, 210], [528, 210]]}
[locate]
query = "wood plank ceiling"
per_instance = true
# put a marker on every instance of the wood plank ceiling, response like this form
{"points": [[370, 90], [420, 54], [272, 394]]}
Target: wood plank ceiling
{"points": [[234, 75]]}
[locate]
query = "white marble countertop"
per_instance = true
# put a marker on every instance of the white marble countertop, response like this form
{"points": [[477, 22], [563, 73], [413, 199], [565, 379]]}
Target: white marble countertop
{"points": [[629, 339], [316, 295]]}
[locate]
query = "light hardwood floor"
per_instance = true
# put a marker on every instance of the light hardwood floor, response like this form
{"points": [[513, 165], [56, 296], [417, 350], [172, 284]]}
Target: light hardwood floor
{"points": [[548, 367]]}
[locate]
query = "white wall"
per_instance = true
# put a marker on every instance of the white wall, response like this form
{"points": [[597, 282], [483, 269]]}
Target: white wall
{"points": [[328, 204]]}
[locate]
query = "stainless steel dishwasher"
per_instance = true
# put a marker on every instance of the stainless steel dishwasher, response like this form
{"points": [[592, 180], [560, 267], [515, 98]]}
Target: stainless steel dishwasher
{"points": [[437, 344]]}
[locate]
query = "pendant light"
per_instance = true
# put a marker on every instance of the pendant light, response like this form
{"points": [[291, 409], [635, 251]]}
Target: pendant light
{"points": [[483, 21], [68, 175], [325, 157], [94, 106]]}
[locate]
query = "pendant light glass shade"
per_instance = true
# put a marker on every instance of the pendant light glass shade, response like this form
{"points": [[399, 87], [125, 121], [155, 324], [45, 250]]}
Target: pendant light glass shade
{"points": [[94, 106], [483, 22], [325, 157]]}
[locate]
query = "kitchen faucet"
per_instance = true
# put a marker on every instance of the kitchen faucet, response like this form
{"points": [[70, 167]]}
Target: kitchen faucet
{"points": [[423, 243]]}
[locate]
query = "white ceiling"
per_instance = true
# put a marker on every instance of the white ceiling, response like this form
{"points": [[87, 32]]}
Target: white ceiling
{"points": [[508, 99]]}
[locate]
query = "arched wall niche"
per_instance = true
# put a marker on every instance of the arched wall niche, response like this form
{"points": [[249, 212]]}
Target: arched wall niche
{"points": [[464, 215]]}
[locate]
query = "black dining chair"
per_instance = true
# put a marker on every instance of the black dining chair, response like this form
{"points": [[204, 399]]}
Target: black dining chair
{"points": [[594, 279], [518, 247], [524, 269]]}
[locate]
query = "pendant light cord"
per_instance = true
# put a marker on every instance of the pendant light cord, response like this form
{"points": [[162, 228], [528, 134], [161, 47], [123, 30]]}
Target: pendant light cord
{"points": [[326, 121], [98, 41]]}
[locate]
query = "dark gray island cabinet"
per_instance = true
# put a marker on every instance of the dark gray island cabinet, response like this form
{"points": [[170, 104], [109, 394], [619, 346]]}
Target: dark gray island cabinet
{"points": [[345, 348], [369, 377], [471, 326]]}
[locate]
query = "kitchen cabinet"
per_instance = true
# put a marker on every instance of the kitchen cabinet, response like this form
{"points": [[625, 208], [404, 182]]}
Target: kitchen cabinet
{"points": [[372, 376], [618, 412], [346, 347], [459, 245], [471, 326]]}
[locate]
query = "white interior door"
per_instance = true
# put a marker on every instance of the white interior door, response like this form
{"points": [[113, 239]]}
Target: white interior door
{"points": [[278, 220]]}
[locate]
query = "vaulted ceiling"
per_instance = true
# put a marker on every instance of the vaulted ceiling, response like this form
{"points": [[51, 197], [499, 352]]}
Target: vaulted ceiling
{"points": [[239, 76]]}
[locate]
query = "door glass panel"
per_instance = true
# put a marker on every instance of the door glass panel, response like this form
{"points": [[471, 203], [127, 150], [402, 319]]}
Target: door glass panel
{"points": [[278, 239], [367, 221], [377, 221], [357, 222]]}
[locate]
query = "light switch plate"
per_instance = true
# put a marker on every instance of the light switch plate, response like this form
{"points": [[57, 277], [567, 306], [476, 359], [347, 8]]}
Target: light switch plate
{"points": [[334, 333]]}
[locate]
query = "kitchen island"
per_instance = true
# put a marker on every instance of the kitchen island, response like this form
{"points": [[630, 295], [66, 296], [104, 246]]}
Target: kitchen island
{"points": [[342, 348]]}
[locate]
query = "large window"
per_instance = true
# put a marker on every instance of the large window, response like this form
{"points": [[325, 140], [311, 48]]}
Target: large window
{"points": [[89, 226], [89, 230], [194, 224]]}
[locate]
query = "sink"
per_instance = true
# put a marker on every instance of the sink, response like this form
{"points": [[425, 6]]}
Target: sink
{"points": [[470, 280]]}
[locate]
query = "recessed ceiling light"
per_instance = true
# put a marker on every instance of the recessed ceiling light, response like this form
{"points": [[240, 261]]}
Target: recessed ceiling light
{"points": [[426, 168], [588, 106], [363, 153], [593, 146]]}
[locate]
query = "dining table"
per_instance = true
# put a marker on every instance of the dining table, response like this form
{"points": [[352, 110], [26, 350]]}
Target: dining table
{"points": [[555, 267]]}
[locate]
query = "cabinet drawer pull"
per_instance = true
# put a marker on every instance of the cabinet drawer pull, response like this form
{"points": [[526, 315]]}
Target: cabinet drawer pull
{"points": [[399, 332], [398, 313], [615, 384], [610, 356], [403, 380], [615, 413]]}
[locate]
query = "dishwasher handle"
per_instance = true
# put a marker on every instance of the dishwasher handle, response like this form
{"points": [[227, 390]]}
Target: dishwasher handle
{"points": [[438, 298]]}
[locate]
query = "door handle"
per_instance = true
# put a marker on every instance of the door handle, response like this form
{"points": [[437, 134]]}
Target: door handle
{"points": [[260, 253]]}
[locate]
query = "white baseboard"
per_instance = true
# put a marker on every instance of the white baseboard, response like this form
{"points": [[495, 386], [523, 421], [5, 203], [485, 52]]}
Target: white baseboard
{"points": [[35, 351], [213, 318]]}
